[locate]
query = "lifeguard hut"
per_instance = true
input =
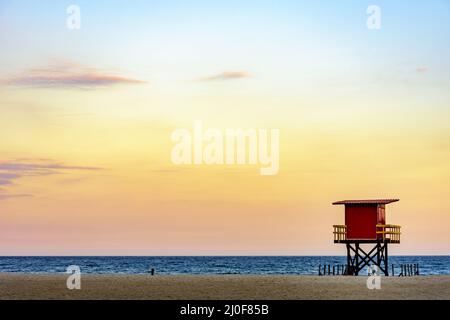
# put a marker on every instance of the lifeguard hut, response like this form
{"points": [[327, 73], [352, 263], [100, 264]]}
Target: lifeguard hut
{"points": [[365, 223]]}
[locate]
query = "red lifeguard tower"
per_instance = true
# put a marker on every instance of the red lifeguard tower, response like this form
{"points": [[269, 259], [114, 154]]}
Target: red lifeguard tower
{"points": [[365, 223]]}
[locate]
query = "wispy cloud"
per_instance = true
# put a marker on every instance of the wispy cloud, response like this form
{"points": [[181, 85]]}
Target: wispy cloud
{"points": [[39, 168], [227, 75], [10, 171], [4, 196], [166, 170], [6, 178], [66, 74], [422, 69]]}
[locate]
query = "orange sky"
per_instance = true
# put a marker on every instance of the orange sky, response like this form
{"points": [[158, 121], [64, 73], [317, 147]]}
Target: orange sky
{"points": [[85, 128]]}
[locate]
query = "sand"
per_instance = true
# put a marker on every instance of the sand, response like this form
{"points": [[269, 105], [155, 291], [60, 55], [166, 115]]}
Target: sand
{"points": [[53, 286]]}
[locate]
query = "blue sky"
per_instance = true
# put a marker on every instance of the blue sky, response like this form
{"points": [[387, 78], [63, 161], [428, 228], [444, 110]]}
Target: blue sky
{"points": [[412, 29]]}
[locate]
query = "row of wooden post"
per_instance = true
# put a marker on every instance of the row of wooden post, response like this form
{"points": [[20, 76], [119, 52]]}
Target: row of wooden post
{"points": [[407, 270], [341, 269], [334, 270]]}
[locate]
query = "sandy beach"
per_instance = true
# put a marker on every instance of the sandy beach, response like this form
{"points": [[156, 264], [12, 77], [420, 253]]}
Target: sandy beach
{"points": [[203, 287]]}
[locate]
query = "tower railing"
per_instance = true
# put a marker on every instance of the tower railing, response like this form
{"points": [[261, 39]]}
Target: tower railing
{"points": [[385, 232], [340, 232], [389, 232]]}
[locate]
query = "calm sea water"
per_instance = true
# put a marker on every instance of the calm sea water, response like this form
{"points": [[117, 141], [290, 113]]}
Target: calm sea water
{"points": [[206, 265]]}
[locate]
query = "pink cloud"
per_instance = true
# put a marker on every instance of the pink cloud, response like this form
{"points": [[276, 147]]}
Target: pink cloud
{"points": [[10, 171], [422, 69], [66, 74], [227, 75]]}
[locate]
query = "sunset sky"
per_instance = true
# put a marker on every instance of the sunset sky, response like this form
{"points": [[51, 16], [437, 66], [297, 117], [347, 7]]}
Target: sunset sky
{"points": [[86, 118]]}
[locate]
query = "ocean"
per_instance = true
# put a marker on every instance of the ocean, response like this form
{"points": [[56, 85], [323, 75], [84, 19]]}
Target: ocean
{"points": [[306, 265]]}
